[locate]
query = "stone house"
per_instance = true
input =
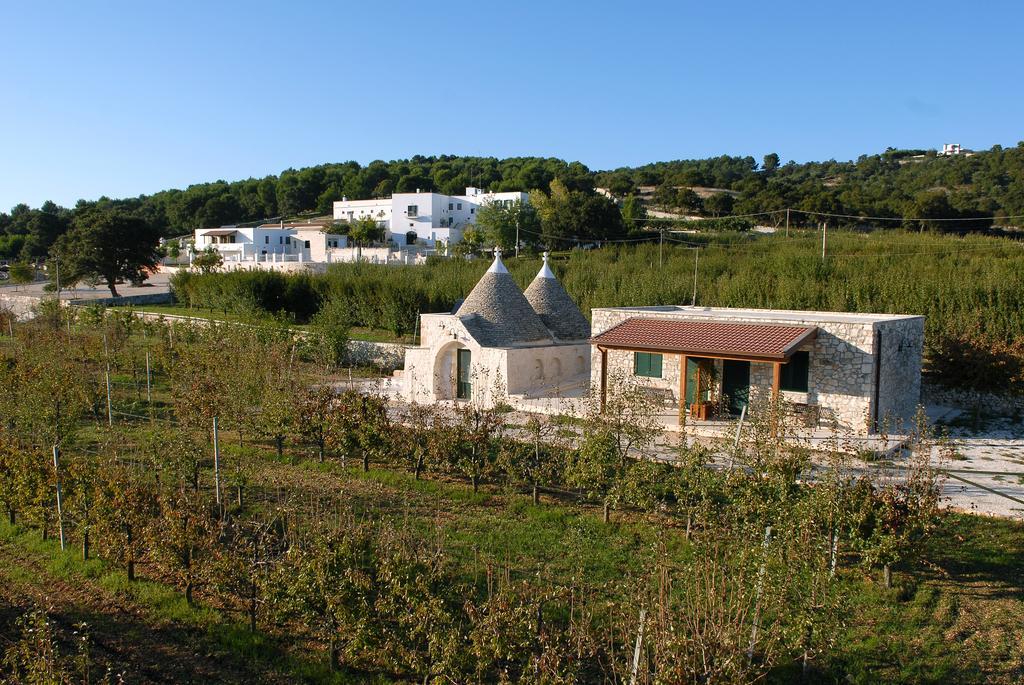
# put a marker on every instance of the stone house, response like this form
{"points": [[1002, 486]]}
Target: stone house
{"points": [[501, 345], [859, 372]]}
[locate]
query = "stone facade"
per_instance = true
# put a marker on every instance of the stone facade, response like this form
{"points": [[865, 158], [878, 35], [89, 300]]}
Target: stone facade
{"points": [[849, 352], [497, 374]]}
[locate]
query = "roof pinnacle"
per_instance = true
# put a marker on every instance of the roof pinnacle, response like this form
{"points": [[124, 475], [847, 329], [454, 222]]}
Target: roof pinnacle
{"points": [[497, 267], [545, 270]]}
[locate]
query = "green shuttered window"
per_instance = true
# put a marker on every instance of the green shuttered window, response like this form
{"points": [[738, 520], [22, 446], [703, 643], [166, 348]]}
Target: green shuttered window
{"points": [[647, 364]]}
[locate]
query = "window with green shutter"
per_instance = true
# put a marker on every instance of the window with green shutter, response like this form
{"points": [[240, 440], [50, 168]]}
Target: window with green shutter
{"points": [[647, 364]]}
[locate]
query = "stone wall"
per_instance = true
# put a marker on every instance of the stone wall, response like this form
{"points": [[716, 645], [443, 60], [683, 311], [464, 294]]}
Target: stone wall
{"points": [[388, 356], [24, 306], [989, 403], [21, 305], [842, 364], [899, 373]]}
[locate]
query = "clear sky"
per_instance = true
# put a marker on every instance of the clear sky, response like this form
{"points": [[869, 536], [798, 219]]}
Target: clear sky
{"points": [[121, 98]]}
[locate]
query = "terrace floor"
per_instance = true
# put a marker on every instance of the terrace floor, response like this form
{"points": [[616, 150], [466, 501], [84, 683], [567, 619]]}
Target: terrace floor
{"points": [[985, 475]]}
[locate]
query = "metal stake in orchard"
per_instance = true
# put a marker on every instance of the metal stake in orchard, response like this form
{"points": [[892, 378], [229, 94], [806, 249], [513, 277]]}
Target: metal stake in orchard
{"points": [[216, 462], [60, 499]]}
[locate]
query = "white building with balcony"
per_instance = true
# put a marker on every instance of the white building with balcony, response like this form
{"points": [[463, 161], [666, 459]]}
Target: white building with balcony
{"points": [[270, 243], [429, 218]]}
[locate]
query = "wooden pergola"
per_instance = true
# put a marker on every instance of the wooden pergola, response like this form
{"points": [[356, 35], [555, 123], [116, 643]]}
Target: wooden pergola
{"points": [[745, 342]]}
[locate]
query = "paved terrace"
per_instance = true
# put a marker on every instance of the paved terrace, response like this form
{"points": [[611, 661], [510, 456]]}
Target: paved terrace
{"points": [[986, 476]]}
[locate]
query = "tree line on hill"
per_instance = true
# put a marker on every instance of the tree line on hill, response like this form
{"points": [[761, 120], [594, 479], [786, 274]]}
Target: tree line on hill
{"points": [[895, 185]]}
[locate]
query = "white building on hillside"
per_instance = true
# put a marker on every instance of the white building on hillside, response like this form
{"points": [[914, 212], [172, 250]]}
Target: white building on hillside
{"points": [[271, 242], [426, 217], [955, 149]]}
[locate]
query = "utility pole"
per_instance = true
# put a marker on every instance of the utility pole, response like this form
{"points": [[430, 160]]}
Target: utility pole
{"points": [[661, 248], [787, 223], [824, 227], [517, 236]]}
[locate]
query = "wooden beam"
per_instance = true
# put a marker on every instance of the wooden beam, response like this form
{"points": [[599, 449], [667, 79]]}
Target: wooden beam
{"points": [[707, 355], [604, 377], [776, 410], [683, 409], [776, 380]]}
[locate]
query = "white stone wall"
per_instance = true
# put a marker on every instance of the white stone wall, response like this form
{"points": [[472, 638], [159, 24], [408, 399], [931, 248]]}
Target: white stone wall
{"points": [[544, 370], [496, 373]]}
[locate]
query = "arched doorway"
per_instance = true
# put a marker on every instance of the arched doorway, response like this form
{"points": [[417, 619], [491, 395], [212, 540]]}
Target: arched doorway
{"points": [[453, 373]]}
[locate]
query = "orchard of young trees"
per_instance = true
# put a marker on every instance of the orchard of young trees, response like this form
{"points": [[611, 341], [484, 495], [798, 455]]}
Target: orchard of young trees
{"points": [[730, 572]]}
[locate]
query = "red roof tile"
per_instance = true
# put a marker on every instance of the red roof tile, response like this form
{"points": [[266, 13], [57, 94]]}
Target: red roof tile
{"points": [[707, 337]]}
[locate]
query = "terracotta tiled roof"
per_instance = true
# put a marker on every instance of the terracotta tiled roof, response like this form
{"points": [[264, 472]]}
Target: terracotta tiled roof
{"points": [[707, 337]]}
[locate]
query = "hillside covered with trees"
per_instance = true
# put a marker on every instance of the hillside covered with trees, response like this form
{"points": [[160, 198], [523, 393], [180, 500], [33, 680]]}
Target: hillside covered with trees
{"points": [[950, 193]]}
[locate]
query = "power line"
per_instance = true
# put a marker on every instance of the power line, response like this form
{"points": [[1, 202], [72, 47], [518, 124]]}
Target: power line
{"points": [[767, 249], [824, 214]]}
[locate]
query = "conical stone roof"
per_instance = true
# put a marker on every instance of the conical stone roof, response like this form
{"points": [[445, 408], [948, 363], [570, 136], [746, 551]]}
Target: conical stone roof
{"points": [[556, 309], [496, 312]]}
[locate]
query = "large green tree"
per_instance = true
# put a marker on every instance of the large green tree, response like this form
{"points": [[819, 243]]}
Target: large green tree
{"points": [[500, 224], [108, 245]]}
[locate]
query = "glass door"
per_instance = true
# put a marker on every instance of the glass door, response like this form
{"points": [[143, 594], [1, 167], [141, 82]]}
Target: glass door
{"points": [[736, 384], [463, 386]]}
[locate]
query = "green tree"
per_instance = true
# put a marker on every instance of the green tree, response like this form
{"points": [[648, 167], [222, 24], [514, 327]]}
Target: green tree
{"points": [[719, 204], [22, 273], [365, 231], [634, 213], [208, 261], [107, 244], [501, 223]]}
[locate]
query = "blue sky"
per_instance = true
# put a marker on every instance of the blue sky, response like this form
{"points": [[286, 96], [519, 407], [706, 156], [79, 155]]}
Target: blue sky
{"points": [[122, 98]]}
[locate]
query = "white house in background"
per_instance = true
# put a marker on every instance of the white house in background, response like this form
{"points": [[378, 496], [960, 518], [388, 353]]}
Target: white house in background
{"points": [[427, 217], [279, 242], [954, 149]]}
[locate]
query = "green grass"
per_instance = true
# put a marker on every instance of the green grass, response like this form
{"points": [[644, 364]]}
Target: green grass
{"points": [[945, 621], [163, 603]]}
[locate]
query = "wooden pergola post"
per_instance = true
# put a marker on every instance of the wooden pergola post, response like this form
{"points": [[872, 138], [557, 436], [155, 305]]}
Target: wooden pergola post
{"points": [[776, 383], [683, 409], [604, 377]]}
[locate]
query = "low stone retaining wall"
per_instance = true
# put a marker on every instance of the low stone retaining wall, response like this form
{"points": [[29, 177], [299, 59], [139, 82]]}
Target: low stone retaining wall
{"points": [[989, 403], [386, 356], [127, 300], [23, 306]]}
